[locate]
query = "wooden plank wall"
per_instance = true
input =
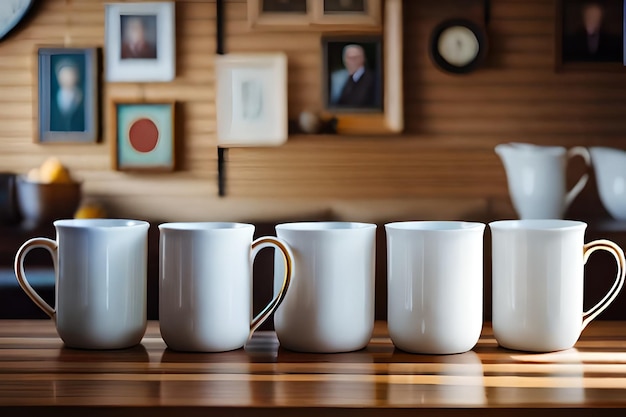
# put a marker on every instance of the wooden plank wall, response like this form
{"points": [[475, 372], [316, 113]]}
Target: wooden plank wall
{"points": [[452, 122], [81, 22]]}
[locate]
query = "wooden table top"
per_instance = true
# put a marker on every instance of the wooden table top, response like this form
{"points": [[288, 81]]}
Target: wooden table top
{"points": [[38, 376]]}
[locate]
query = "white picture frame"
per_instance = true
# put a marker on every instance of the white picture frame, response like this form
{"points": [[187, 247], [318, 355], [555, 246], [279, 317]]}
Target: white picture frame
{"points": [[251, 99], [140, 42]]}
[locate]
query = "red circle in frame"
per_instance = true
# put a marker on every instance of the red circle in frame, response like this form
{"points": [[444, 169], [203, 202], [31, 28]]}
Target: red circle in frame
{"points": [[143, 135]]}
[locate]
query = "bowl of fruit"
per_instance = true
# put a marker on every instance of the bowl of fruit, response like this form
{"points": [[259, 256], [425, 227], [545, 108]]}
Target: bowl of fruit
{"points": [[47, 193]]}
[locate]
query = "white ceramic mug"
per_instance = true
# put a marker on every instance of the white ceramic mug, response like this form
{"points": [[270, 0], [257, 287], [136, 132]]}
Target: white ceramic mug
{"points": [[205, 296], [330, 304], [538, 268], [100, 267], [435, 285]]}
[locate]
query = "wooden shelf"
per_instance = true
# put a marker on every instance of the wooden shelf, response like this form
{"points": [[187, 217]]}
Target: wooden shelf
{"points": [[41, 377]]}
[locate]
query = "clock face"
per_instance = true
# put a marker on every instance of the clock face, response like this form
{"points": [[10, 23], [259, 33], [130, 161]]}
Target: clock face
{"points": [[11, 12], [458, 45]]}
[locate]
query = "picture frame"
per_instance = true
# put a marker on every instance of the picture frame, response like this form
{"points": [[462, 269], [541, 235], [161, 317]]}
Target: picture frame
{"points": [[347, 12], [597, 45], [291, 13], [143, 136], [344, 59], [251, 99], [140, 42], [320, 14], [390, 119], [67, 95]]}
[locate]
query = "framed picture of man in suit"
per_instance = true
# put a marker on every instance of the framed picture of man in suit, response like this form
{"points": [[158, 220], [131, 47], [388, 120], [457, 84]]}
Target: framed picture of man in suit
{"points": [[67, 91], [590, 34], [352, 79]]}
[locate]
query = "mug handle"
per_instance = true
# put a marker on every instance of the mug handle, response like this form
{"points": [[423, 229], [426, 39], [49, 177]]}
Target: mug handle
{"points": [[279, 245], [617, 252], [38, 242], [578, 187]]}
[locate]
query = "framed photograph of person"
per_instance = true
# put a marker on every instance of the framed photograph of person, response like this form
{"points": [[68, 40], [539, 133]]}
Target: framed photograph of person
{"points": [[380, 109], [140, 42], [347, 12], [67, 95], [590, 35], [251, 99], [143, 136], [353, 74]]}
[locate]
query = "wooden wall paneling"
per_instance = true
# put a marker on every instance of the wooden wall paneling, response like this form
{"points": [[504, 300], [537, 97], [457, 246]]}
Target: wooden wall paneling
{"points": [[517, 96], [452, 123], [77, 22]]}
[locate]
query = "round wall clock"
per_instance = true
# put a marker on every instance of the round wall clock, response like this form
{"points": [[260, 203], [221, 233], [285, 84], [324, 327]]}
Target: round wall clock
{"points": [[458, 45], [11, 13]]}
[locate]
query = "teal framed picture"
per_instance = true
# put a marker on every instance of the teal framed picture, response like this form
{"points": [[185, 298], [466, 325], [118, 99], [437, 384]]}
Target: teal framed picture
{"points": [[143, 136], [67, 95]]}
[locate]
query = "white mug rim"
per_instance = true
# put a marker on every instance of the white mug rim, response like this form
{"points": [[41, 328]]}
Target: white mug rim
{"points": [[204, 226], [100, 223], [444, 226], [325, 226], [543, 225]]}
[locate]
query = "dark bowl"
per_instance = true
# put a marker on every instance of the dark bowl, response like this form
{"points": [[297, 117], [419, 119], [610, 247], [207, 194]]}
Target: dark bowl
{"points": [[8, 205], [41, 203]]}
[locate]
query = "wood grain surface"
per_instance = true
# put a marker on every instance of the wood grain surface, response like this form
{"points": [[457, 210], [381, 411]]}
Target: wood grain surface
{"points": [[38, 376], [446, 152]]}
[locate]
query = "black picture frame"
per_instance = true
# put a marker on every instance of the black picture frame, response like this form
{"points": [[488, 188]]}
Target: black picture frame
{"points": [[337, 6], [576, 49], [291, 6], [335, 75]]}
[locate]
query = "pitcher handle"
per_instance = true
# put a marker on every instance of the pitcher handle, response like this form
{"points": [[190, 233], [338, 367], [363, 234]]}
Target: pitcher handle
{"points": [[610, 296], [279, 245], [39, 242], [578, 187]]}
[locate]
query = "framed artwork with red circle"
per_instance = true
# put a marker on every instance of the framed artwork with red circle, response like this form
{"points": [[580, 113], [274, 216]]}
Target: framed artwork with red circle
{"points": [[144, 136]]}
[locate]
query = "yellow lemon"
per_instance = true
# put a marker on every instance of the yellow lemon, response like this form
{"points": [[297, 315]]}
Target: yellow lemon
{"points": [[53, 171], [90, 211]]}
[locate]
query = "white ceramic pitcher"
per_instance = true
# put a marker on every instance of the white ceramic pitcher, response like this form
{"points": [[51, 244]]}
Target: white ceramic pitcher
{"points": [[536, 178], [610, 167]]}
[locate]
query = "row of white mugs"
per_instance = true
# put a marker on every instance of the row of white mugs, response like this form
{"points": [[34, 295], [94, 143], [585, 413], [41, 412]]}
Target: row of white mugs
{"points": [[324, 284]]}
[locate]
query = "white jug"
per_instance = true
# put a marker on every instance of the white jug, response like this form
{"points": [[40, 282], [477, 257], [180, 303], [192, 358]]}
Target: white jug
{"points": [[610, 167], [536, 178]]}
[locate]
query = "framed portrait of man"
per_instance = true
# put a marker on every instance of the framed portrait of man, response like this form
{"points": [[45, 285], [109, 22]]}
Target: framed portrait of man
{"points": [[140, 42], [352, 79], [67, 95], [590, 34], [139, 36]]}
